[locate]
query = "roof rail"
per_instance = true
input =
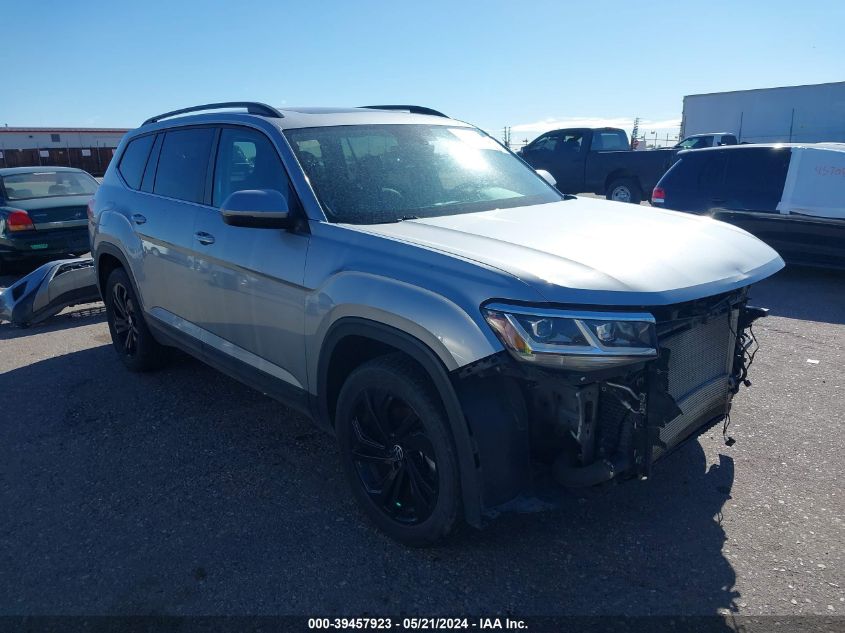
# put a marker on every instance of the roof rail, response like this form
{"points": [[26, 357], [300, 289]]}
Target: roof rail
{"points": [[252, 107], [413, 109]]}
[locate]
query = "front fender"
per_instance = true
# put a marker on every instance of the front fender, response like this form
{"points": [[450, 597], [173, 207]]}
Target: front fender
{"points": [[468, 465], [456, 336]]}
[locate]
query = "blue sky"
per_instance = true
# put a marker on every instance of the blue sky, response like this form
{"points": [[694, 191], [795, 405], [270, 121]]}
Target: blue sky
{"points": [[530, 65]]}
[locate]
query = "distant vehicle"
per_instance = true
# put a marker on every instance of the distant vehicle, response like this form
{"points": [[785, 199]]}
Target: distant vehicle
{"points": [[401, 278], [598, 161], [700, 141], [791, 196], [43, 212]]}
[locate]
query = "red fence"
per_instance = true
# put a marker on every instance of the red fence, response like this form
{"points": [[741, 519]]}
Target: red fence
{"points": [[94, 160]]}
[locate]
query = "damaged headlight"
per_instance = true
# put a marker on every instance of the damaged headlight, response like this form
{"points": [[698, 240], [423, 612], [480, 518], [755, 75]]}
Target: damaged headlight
{"points": [[573, 340]]}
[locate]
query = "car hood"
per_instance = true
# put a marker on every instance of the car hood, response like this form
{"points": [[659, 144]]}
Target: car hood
{"points": [[591, 251]]}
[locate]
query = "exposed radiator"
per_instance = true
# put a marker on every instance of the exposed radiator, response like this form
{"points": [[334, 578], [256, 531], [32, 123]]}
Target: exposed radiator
{"points": [[700, 364]]}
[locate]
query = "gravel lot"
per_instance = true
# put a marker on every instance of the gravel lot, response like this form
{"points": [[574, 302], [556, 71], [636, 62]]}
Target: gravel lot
{"points": [[184, 492]]}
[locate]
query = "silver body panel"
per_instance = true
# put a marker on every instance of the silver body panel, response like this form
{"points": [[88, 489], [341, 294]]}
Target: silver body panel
{"points": [[269, 297]]}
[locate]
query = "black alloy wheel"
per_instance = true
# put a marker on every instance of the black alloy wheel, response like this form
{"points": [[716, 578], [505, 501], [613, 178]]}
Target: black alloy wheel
{"points": [[393, 456], [125, 320], [397, 450], [130, 335]]}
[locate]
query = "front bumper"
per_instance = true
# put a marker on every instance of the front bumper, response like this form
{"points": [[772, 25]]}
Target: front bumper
{"points": [[586, 428], [49, 289], [37, 244]]}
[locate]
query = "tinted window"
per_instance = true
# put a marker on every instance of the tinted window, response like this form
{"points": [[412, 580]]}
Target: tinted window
{"points": [[683, 173], [134, 160], [247, 160], [696, 142], [609, 140], [557, 142], [544, 144], [754, 178], [711, 175], [183, 164]]}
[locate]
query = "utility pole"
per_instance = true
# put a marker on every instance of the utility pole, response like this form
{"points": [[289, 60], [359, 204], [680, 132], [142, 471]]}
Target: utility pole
{"points": [[635, 133]]}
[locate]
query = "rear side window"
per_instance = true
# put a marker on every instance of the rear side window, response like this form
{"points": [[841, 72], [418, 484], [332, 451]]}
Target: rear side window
{"points": [[609, 140], [183, 164], [134, 160], [711, 175], [754, 178], [683, 173]]}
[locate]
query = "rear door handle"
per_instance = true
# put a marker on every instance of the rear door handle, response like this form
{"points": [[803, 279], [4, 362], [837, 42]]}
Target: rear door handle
{"points": [[137, 218], [204, 238]]}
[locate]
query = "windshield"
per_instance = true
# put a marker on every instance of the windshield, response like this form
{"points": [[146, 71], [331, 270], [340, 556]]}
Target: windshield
{"points": [[48, 184], [371, 174], [695, 142]]}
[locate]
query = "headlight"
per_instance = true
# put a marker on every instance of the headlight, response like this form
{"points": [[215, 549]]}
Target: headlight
{"points": [[573, 340]]}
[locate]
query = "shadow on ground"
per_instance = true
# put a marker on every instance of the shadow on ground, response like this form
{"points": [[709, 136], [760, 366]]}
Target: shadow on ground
{"points": [[185, 492]]}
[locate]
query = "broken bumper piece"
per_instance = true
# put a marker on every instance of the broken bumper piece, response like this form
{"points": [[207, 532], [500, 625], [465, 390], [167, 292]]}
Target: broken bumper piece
{"points": [[48, 290]]}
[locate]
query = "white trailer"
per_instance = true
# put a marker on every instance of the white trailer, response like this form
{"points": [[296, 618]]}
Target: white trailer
{"points": [[802, 114]]}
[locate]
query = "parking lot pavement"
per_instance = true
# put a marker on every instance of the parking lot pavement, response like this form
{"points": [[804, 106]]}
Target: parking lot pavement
{"points": [[184, 492]]}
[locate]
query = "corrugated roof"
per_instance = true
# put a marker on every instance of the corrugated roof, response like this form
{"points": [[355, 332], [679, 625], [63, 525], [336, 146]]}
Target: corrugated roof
{"points": [[726, 92]]}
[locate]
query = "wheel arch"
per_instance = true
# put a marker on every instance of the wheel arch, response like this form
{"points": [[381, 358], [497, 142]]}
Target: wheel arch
{"points": [[621, 174], [107, 258], [342, 351]]}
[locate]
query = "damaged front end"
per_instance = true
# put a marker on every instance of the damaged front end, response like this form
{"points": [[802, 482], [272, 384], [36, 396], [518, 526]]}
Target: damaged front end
{"points": [[617, 392]]}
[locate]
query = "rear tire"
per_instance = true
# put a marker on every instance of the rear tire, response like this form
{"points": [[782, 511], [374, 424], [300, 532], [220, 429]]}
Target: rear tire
{"points": [[624, 190], [397, 450], [131, 337]]}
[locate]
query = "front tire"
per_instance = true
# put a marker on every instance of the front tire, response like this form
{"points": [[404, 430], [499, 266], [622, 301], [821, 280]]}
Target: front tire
{"points": [[397, 450], [624, 190], [131, 337]]}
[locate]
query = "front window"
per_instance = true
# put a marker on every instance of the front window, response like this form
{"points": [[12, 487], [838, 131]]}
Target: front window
{"points": [[48, 184], [696, 142], [371, 174]]}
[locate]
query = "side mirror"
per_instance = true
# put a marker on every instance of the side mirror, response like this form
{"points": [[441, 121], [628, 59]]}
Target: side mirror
{"points": [[256, 208], [546, 176]]}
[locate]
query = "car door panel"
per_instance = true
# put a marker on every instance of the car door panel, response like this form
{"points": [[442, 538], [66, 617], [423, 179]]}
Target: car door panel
{"points": [[165, 222], [797, 238], [250, 297], [164, 228], [250, 300]]}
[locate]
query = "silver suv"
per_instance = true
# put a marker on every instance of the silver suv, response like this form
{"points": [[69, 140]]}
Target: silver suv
{"points": [[468, 333]]}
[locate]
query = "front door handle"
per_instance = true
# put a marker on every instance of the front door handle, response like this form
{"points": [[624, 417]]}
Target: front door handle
{"points": [[204, 238], [137, 218]]}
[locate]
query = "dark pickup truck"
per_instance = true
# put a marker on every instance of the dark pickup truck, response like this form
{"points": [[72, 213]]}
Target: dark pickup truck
{"points": [[598, 161]]}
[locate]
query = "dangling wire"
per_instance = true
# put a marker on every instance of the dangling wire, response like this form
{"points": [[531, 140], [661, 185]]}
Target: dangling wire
{"points": [[729, 441]]}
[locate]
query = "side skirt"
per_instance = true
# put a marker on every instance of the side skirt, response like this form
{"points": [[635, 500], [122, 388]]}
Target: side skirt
{"points": [[286, 393]]}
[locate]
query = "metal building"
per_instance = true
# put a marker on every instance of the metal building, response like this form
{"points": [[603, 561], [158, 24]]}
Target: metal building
{"points": [[90, 149], [802, 114]]}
